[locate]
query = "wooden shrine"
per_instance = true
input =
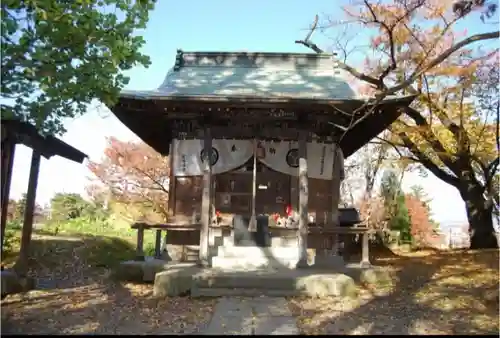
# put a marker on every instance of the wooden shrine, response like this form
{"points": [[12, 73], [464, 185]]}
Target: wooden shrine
{"points": [[257, 143]]}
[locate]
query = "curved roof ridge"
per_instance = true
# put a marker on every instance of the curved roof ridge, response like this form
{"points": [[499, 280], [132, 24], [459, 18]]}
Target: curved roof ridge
{"points": [[253, 60]]}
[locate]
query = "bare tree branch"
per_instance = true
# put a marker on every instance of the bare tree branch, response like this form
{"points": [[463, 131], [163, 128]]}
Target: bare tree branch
{"points": [[378, 83], [429, 164], [439, 59]]}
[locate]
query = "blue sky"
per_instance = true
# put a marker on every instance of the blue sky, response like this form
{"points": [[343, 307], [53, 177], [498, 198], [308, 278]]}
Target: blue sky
{"points": [[195, 25]]}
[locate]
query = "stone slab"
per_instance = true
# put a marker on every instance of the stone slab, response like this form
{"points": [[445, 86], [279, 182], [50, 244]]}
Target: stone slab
{"points": [[249, 262], [323, 285], [223, 292], [140, 271], [274, 307], [252, 316], [222, 325], [234, 307], [255, 251], [333, 262], [276, 326], [273, 283], [175, 281]]}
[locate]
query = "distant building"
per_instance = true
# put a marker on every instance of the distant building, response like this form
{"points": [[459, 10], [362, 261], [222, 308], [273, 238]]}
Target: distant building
{"points": [[455, 235]]}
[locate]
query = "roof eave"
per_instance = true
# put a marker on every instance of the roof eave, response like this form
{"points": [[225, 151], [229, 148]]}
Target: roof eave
{"points": [[354, 139], [27, 134], [258, 99]]}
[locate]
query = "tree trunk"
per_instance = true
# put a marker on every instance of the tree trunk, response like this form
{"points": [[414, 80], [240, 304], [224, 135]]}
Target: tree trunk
{"points": [[480, 217]]}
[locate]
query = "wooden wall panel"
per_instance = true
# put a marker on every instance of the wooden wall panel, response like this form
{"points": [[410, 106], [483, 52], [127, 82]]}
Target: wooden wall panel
{"points": [[233, 183], [320, 198], [188, 195], [183, 237], [233, 194], [276, 196]]}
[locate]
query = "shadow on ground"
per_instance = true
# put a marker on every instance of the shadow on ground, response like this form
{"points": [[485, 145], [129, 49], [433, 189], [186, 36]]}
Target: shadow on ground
{"points": [[433, 292], [453, 292], [77, 295]]}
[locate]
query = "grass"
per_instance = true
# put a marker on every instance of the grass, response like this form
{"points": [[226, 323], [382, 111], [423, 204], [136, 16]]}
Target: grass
{"points": [[432, 292], [106, 242], [78, 297]]}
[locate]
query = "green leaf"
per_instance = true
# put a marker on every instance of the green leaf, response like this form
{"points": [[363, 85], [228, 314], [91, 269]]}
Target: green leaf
{"points": [[66, 54]]}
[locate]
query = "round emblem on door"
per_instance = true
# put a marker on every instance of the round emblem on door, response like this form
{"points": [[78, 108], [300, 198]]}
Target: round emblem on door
{"points": [[292, 158], [214, 156]]}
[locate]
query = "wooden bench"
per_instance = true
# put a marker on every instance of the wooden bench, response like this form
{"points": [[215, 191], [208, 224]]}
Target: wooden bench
{"points": [[172, 227], [329, 239], [319, 238]]}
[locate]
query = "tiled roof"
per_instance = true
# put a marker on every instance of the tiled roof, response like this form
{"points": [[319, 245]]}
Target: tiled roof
{"points": [[264, 75]]}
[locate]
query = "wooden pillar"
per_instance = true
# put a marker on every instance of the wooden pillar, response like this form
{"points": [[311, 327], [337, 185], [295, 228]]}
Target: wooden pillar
{"points": [[139, 252], [206, 198], [303, 200], [172, 182], [335, 193], [365, 253], [21, 266], [294, 194], [158, 244], [253, 219], [8, 150]]}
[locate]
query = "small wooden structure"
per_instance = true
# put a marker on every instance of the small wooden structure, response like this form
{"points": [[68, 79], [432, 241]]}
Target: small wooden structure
{"points": [[18, 132], [257, 143]]}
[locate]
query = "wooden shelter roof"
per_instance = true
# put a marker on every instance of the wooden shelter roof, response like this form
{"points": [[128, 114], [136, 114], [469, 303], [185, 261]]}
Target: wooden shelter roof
{"points": [[244, 95], [27, 134]]}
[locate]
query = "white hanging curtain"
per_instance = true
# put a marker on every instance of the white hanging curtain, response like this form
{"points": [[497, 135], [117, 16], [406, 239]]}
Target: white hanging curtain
{"points": [[226, 155], [284, 157]]}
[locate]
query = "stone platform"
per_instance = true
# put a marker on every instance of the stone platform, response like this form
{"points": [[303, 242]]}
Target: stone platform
{"points": [[269, 282], [175, 279]]}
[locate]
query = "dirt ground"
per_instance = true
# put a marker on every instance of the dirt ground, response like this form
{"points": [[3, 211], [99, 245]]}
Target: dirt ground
{"points": [[82, 298], [432, 293], [100, 309]]}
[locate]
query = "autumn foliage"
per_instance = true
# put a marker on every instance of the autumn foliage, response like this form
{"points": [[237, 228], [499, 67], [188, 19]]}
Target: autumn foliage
{"points": [[135, 176], [373, 212], [420, 48], [422, 230]]}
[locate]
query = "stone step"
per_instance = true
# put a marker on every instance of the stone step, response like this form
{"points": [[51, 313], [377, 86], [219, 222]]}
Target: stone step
{"points": [[235, 292], [280, 283], [255, 252], [246, 280], [253, 262]]}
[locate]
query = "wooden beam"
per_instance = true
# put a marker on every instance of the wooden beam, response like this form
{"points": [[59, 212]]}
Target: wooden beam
{"points": [[8, 150], [303, 200], [21, 266], [206, 198], [172, 182]]}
